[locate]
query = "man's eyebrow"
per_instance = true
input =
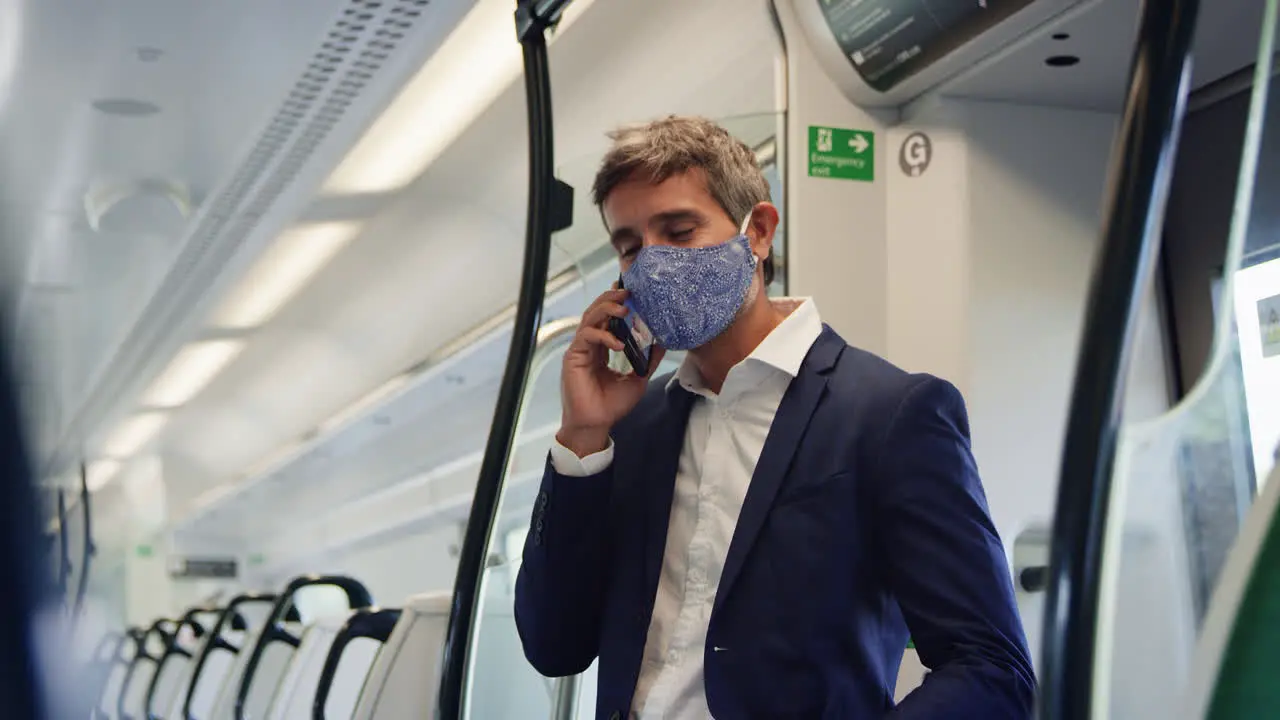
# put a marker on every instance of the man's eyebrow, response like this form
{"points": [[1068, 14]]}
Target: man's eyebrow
{"points": [[622, 234], [676, 216]]}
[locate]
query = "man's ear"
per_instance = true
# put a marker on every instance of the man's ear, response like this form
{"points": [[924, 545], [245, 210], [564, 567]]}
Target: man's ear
{"points": [[761, 229]]}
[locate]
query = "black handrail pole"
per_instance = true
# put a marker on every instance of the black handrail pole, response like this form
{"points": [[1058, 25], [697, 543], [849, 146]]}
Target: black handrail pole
{"points": [[64, 551], [1139, 182], [547, 197], [86, 511], [23, 683]]}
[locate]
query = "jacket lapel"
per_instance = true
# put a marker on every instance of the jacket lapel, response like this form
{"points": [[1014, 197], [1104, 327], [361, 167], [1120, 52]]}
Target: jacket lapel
{"points": [[660, 475], [788, 429]]}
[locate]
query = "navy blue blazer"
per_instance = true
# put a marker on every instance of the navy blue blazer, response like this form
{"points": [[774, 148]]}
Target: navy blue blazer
{"points": [[865, 519]]}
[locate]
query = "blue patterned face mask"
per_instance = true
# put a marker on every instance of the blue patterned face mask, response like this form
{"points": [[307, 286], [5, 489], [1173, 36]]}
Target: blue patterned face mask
{"points": [[689, 295]]}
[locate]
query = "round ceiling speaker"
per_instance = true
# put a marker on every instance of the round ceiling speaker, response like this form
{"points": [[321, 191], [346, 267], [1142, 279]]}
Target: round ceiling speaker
{"points": [[150, 206]]}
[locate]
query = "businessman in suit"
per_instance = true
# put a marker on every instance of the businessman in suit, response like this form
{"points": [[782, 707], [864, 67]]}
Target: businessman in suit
{"points": [[758, 534]]}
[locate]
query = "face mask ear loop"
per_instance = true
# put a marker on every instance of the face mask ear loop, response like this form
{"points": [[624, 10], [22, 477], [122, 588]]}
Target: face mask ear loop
{"points": [[746, 223]]}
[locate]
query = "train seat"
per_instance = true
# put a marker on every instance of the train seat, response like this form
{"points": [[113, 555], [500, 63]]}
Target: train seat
{"points": [[403, 681]]}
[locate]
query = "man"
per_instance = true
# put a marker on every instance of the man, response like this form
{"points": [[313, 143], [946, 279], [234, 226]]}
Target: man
{"points": [[758, 534]]}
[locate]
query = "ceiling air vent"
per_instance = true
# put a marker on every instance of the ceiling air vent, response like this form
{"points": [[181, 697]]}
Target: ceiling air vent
{"points": [[364, 37]]}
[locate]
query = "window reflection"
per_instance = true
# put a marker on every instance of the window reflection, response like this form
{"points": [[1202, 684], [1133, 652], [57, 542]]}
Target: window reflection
{"points": [[1257, 309]]}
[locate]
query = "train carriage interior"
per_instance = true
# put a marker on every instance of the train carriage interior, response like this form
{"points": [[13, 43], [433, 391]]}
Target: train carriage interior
{"points": [[287, 365]]}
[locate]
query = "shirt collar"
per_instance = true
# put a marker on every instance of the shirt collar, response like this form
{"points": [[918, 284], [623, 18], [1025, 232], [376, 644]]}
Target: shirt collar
{"points": [[783, 349]]}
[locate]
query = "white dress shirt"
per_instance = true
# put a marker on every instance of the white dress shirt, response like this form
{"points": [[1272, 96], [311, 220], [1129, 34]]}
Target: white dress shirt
{"points": [[722, 444]]}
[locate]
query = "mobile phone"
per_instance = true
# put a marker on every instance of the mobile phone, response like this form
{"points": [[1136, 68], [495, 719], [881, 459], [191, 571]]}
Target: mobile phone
{"points": [[637, 340]]}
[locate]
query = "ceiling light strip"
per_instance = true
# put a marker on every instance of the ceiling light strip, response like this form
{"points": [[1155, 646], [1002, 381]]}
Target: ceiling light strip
{"points": [[190, 372], [476, 64], [133, 434], [101, 472], [282, 271]]}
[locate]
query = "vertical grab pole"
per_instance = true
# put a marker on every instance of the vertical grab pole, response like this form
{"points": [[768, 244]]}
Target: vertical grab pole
{"points": [[64, 552], [1142, 163], [549, 210], [564, 706], [23, 684], [86, 558]]}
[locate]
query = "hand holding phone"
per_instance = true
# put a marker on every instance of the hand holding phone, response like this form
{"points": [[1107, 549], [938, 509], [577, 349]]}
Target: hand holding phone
{"points": [[637, 340], [594, 396]]}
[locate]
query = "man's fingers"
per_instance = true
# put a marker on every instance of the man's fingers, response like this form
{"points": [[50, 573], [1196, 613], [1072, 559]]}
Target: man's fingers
{"points": [[597, 337], [598, 314]]}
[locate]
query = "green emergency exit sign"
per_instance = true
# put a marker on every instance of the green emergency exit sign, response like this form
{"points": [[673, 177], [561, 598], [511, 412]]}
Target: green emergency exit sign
{"points": [[842, 154]]}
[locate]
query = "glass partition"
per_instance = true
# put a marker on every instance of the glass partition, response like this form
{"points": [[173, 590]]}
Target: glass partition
{"points": [[501, 683], [1185, 480]]}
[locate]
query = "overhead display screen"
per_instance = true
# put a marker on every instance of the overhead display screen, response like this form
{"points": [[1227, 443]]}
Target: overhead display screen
{"points": [[888, 41]]}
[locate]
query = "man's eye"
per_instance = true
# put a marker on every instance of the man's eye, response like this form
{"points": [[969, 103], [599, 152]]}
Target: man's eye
{"points": [[682, 233]]}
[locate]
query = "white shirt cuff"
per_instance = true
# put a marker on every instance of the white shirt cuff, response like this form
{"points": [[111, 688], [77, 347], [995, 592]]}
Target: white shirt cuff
{"points": [[567, 463]]}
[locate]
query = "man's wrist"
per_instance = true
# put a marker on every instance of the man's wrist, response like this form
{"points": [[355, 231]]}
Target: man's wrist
{"points": [[583, 441]]}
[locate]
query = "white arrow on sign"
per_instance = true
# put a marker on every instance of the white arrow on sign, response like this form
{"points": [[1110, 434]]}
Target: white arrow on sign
{"points": [[859, 144]]}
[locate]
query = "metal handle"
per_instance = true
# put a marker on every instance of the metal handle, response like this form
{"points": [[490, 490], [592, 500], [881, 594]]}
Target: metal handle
{"points": [[141, 654], [1141, 167], [565, 704], [374, 623], [550, 209], [173, 649], [89, 549], [283, 611], [230, 615]]}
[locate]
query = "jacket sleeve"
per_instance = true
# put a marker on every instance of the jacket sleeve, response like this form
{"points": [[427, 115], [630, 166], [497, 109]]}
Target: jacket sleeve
{"points": [[562, 580], [947, 567]]}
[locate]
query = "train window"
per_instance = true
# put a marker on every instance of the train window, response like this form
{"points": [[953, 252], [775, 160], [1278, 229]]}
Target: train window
{"points": [[1191, 474], [1256, 292], [502, 684]]}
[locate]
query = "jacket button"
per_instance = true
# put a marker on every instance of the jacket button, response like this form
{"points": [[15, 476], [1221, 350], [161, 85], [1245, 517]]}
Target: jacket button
{"points": [[542, 499], [616, 715]]}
